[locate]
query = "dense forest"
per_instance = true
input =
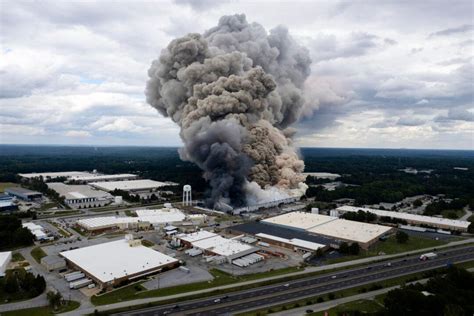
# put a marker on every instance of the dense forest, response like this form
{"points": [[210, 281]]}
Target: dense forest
{"points": [[375, 174]]}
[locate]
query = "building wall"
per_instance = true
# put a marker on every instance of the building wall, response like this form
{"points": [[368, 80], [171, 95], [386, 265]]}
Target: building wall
{"points": [[118, 281], [87, 203]]}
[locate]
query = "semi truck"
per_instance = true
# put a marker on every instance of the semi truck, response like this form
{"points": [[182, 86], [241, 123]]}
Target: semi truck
{"points": [[80, 284], [428, 256], [74, 277]]}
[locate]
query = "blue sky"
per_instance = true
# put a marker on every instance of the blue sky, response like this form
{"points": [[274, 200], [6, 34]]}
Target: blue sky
{"points": [[384, 73]]}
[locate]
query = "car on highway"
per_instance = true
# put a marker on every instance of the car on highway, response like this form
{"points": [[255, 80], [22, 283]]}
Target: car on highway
{"points": [[287, 285], [334, 276], [217, 300]]}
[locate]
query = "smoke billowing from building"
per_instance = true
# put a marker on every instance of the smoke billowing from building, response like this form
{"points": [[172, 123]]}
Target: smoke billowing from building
{"points": [[234, 91]]}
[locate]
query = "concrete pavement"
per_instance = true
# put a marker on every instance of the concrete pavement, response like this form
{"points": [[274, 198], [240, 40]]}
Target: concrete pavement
{"points": [[330, 304], [82, 310]]}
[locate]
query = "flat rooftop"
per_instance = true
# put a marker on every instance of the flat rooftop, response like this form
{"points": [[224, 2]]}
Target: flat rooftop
{"points": [[293, 241], [193, 237], [52, 175], [116, 259], [129, 185], [161, 216], [222, 246], [106, 221], [74, 191], [20, 190], [286, 233], [299, 220], [350, 230], [105, 177], [409, 217]]}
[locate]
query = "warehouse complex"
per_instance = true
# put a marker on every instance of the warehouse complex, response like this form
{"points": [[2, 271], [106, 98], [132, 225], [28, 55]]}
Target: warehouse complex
{"points": [[436, 222], [216, 245], [160, 217], [293, 243], [55, 175], [81, 196], [24, 194], [97, 225], [36, 230], [144, 187], [331, 227], [113, 263], [104, 178]]}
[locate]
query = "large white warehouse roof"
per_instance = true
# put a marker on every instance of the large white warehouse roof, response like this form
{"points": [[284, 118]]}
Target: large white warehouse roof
{"points": [[223, 246], [161, 216], [104, 222], [299, 220], [52, 175], [116, 259], [104, 177], [129, 185], [351, 230], [72, 192], [410, 217], [193, 237], [294, 241]]}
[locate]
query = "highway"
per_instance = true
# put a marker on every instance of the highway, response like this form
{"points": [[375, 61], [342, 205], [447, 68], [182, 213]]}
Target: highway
{"points": [[275, 294]]}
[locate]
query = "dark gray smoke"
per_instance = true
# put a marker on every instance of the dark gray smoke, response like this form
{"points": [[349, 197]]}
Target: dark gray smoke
{"points": [[234, 91]]}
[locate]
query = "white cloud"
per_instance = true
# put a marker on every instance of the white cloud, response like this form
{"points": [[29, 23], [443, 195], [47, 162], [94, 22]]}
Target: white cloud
{"points": [[384, 73]]}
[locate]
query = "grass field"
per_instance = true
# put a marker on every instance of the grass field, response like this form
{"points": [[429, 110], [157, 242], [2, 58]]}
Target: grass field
{"points": [[43, 311], [38, 253], [147, 243], [4, 185], [136, 291], [362, 306], [16, 256], [391, 246]]}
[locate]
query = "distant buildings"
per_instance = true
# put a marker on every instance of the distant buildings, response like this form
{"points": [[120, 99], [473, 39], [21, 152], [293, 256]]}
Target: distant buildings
{"points": [[430, 221], [144, 188], [24, 194], [81, 196], [37, 231]]}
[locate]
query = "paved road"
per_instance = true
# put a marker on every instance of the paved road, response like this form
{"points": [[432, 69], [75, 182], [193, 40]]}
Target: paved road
{"points": [[84, 310], [467, 214], [330, 304], [307, 287]]}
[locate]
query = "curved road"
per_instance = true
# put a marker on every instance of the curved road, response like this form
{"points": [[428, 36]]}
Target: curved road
{"points": [[307, 287]]}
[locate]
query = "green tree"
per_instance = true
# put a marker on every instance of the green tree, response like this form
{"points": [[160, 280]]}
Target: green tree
{"points": [[401, 237], [11, 284], [54, 299], [354, 249]]}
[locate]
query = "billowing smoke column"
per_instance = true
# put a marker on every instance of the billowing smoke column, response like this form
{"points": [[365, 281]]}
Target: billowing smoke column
{"points": [[234, 91]]}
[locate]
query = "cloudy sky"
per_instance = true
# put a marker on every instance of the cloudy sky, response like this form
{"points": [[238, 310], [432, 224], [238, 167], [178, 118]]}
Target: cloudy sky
{"points": [[384, 73]]}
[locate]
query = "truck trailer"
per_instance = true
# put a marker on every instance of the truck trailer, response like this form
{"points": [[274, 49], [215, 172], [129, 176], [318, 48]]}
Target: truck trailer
{"points": [[428, 256]]}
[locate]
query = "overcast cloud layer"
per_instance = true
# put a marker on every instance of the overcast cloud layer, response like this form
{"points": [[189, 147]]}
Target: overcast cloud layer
{"points": [[384, 73]]}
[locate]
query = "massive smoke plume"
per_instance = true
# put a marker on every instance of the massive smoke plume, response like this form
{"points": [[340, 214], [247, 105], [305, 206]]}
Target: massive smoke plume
{"points": [[234, 91]]}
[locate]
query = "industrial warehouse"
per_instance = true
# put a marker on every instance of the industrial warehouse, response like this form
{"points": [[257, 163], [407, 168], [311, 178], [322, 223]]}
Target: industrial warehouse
{"points": [[81, 196], [24, 194], [435, 222], [113, 263], [204, 242], [143, 187], [97, 225], [331, 227]]}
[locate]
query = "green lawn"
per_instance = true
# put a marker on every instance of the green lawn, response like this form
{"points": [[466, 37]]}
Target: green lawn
{"points": [[136, 291], [131, 213], [147, 243], [17, 257], [391, 246], [4, 185], [363, 306], [43, 311], [453, 214], [38, 253]]}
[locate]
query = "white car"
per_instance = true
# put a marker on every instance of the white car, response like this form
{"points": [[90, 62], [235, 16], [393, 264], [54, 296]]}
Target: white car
{"points": [[334, 276], [217, 300]]}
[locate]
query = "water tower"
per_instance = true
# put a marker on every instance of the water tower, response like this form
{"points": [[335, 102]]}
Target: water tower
{"points": [[187, 199]]}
